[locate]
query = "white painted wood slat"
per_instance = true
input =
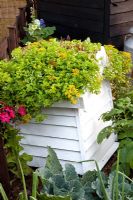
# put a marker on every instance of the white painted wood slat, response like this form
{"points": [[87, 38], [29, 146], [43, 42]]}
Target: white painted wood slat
{"points": [[57, 143], [59, 111], [62, 154], [59, 120], [50, 131], [72, 134]]}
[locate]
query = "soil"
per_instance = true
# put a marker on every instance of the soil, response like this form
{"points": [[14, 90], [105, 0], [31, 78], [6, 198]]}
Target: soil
{"points": [[107, 168]]}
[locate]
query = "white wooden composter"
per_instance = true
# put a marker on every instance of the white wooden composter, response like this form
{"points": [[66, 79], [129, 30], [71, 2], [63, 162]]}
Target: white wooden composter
{"points": [[71, 130]]}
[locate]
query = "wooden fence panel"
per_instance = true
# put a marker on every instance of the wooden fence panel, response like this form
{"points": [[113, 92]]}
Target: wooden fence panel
{"points": [[16, 33], [4, 48], [121, 19]]}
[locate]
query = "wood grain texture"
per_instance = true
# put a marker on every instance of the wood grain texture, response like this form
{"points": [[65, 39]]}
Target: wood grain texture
{"points": [[121, 7], [119, 30], [121, 18]]}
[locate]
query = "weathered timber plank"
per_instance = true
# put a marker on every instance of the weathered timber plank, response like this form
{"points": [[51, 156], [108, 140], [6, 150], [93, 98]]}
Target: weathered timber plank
{"points": [[122, 29], [3, 49], [121, 18], [125, 6], [117, 1]]}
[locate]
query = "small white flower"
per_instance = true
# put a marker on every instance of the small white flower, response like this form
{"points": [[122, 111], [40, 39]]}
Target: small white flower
{"points": [[37, 22]]}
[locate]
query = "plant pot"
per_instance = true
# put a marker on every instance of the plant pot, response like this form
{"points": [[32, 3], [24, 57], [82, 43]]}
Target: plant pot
{"points": [[71, 130]]}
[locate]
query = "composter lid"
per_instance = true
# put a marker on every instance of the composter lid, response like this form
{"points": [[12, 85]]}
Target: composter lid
{"points": [[131, 30], [129, 43]]}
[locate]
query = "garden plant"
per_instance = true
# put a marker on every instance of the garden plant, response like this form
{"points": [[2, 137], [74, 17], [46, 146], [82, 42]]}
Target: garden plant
{"points": [[122, 125], [37, 76], [37, 30], [46, 72], [59, 184], [9, 117]]}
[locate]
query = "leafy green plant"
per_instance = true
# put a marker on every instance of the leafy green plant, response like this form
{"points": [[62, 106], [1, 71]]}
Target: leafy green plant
{"points": [[118, 70], [122, 125], [36, 30], [49, 71], [35, 195], [59, 184], [14, 151], [46, 72], [93, 184]]}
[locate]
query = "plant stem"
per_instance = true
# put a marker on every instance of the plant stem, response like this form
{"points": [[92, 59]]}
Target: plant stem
{"points": [[34, 185], [125, 176], [23, 181], [4, 175], [116, 177], [123, 187], [3, 193]]}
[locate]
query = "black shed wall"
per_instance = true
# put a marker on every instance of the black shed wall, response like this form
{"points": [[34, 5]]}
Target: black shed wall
{"points": [[77, 18]]}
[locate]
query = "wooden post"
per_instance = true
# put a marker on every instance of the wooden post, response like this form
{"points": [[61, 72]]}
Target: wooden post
{"points": [[12, 39], [4, 175], [22, 22]]}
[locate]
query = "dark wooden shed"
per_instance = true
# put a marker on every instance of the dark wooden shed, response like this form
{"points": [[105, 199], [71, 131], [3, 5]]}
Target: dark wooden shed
{"points": [[106, 21]]}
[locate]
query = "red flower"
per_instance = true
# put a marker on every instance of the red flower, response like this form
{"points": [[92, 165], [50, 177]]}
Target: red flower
{"points": [[22, 110], [10, 111], [5, 117]]}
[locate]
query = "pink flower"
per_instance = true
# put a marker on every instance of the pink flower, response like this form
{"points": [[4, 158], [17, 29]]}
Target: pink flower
{"points": [[22, 110], [5, 117], [10, 111]]}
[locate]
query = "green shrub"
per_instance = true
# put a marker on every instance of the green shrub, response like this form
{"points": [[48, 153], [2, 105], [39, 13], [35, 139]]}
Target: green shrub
{"points": [[49, 71], [46, 72], [118, 70]]}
